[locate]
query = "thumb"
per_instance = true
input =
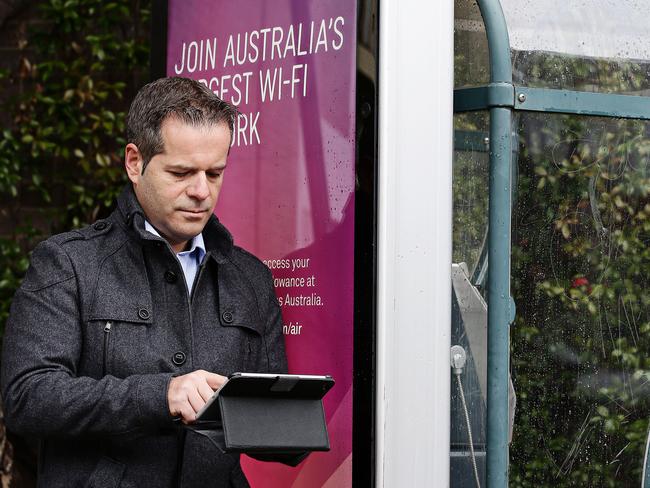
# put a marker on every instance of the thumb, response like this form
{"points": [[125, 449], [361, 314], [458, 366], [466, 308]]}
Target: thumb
{"points": [[215, 381]]}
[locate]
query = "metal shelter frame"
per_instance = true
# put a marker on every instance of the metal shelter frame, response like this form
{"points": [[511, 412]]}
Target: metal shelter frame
{"points": [[501, 97]]}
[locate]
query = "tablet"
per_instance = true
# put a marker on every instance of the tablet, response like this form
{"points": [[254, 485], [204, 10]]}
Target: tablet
{"points": [[265, 385]]}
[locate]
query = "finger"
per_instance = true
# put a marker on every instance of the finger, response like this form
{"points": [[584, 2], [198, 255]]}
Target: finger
{"points": [[205, 391], [188, 414], [215, 381], [177, 405], [196, 401]]}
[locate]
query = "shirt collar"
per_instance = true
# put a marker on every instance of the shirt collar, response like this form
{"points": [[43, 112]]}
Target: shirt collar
{"points": [[196, 243], [217, 240]]}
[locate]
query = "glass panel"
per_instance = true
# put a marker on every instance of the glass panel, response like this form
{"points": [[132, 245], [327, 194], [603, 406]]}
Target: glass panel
{"points": [[470, 187], [471, 57], [593, 45], [581, 281], [291, 200], [469, 309]]}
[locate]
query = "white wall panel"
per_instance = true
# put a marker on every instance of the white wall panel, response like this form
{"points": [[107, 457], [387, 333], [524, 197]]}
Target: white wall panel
{"points": [[414, 242]]}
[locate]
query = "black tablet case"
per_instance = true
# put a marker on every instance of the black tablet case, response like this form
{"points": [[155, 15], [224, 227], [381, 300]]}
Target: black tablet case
{"points": [[274, 415], [258, 424]]}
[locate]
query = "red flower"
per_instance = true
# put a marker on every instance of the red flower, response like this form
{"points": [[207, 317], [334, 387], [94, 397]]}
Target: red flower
{"points": [[581, 281]]}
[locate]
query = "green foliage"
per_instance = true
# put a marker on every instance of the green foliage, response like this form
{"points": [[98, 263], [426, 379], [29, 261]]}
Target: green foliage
{"points": [[60, 159], [550, 70], [581, 268]]}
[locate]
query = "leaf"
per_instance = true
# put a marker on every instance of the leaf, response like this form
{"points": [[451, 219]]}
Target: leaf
{"points": [[102, 159], [566, 232]]}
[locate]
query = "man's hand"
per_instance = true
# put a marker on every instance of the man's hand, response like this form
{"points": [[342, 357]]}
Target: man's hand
{"points": [[187, 394]]}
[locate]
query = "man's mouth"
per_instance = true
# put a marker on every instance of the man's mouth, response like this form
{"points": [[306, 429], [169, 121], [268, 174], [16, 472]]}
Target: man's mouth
{"points": [[194, 211]]}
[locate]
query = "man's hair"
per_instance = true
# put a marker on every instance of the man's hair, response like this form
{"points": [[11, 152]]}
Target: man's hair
{"points": [[187, 100]]}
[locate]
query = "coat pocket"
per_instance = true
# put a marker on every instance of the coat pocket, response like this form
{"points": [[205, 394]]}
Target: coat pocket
{"points": [[107, 474], [107, 342], [118, 349], [253, 353], [241, 335]]}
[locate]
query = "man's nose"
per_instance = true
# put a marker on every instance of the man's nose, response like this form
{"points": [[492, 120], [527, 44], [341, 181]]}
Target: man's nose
{"points": [[199, 187]]}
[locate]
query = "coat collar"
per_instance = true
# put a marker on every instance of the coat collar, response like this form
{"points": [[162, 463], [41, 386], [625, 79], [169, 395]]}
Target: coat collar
{"points": [[218, 240]]}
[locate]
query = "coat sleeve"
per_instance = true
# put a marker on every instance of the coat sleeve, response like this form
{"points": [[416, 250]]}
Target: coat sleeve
{"points": [[43, 395]]}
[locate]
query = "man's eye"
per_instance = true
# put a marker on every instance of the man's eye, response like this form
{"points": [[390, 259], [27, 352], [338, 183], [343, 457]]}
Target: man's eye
{"points": [[179, 174], [214, 175]]}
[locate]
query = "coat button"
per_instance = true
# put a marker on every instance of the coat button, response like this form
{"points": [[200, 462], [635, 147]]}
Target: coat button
{"points": [[170, 276], [100, 225], [144, 314], [227, 317], [179, 358]]}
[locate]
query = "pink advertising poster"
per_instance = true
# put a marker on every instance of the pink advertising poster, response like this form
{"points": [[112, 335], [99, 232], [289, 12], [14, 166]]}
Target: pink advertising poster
{"points": [[288, 195]]}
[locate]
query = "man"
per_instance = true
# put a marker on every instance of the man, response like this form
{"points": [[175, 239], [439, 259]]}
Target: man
{"points": [[122, 330]]}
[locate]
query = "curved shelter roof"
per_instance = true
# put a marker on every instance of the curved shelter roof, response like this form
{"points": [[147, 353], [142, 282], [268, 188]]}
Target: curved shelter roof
{"points": [[612, 29], [586, 45]]}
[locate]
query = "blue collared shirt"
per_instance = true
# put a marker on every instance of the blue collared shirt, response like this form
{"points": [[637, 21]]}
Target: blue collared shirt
{"points": [[190, 260]]}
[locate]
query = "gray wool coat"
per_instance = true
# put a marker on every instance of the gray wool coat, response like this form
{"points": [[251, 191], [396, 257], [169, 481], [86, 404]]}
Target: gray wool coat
{"points": [[96, 395]]}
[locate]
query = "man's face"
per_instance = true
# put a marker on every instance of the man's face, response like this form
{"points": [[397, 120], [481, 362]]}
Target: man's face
{"points": [[179, 188]]}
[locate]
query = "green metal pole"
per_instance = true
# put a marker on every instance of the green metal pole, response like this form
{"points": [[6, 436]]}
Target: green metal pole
{"points": [[498, 250], [498, 286], [498, 42]]}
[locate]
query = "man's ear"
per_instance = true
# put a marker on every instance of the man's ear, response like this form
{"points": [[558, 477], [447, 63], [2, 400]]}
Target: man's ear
{"points": [[133, 162]]}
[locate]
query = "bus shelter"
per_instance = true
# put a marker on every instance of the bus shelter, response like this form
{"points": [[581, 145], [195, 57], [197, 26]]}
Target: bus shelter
{"points": [[550, 243]]}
